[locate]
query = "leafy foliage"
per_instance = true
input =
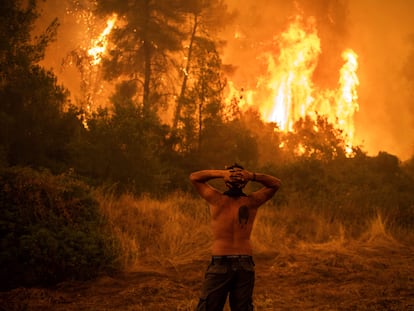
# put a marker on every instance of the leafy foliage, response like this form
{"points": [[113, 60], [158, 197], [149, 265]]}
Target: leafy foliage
{"points": [[350, 189], [142, 43], [123, 147], [315, 139], [50, 229], [35, 127], [205, 18]]}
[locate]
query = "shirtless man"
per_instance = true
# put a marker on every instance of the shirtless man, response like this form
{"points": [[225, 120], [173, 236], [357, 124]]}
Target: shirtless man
{"points": [[231, 270]]}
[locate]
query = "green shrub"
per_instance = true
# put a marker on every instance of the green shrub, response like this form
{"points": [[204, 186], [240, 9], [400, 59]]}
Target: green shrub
{"points": [[50, 229], [351, 191]]}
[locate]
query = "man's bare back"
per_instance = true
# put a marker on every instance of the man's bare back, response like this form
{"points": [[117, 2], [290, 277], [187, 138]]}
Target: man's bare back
{"points": [[232, 216], [232, 222]]}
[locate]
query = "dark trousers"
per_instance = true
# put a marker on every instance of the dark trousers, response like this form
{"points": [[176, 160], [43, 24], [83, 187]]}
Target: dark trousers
{"points": [[231, 276]]}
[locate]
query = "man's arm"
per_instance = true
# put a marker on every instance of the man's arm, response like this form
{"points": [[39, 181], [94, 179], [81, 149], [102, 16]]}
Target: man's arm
{"points": [[266, 180], [199, 180], [271, 185]]}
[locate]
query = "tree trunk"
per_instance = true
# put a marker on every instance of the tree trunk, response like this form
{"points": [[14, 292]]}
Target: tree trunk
{"points": [[147, 60], [186, 73]]}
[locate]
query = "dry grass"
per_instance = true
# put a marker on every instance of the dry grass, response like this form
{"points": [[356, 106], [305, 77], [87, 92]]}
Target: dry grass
{"points": [[303, 262], [169, 231], [176, 230]]}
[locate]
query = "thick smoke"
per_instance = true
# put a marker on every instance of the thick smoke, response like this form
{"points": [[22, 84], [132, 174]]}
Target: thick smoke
{"points": [[380, 33]]}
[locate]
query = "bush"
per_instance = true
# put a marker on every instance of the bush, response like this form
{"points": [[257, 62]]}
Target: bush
{"points": [[50, 229], [349, 190]]}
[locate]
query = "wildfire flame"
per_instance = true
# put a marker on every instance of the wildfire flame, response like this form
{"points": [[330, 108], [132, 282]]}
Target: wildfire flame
{"points": [[347, 97], [286, 92], [291, 82], [100, 44]]}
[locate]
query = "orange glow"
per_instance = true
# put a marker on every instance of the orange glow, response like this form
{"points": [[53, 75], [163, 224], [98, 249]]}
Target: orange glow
{"points": [[285, 92], [347, 96], [290, 76], [100, 44]]}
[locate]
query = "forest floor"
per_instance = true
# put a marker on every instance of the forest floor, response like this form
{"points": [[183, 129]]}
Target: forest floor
{"points": [[366, 275]]}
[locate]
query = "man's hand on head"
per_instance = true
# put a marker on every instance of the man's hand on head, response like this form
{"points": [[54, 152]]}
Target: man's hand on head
{"points": [[246, 175], [241, 175], [236, 175], [227, 176]]}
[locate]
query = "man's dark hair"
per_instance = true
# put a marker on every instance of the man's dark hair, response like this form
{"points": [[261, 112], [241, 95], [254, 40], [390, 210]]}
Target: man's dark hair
{"points": [[235, 165]]}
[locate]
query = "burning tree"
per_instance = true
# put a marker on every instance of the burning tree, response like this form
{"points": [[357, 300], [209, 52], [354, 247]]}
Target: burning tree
{"points": [[87, 55], [204, 19], [162, 46], [286, 93], [147, 32]]}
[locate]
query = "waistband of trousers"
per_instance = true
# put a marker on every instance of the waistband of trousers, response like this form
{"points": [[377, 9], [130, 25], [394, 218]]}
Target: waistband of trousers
{"points": [[232, 258]]}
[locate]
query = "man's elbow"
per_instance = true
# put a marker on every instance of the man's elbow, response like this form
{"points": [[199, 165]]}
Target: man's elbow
{"points": [[193, 177], [276, 184]]}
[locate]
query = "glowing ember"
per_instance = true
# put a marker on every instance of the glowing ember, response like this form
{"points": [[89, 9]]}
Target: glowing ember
{"points": [[286, 92], [100, 44]]}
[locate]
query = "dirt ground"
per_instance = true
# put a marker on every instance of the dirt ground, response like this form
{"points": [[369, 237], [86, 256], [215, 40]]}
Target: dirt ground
{"points": [[360, 276]]}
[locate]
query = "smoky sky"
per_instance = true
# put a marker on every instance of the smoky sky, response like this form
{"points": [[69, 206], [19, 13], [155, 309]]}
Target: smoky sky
{"points": [[381, 33]]}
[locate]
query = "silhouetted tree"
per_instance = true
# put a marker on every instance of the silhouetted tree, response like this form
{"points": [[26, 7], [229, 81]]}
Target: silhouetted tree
{"points": [[123, 147], [408, 166], [317, 139], [147, 32], [266, 137], [36, 129], [205, 19], [205, 97]]}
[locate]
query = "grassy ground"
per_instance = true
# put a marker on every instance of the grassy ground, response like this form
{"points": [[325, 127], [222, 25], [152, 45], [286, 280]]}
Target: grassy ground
{"points": [[303, 262]]}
